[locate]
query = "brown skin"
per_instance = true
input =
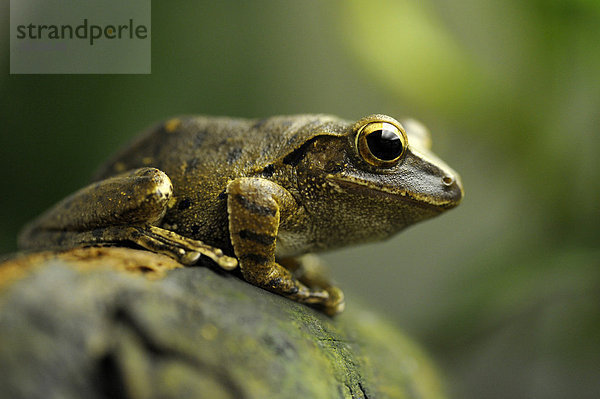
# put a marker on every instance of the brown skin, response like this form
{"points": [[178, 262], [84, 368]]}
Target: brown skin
{"points": [[258, 194]]}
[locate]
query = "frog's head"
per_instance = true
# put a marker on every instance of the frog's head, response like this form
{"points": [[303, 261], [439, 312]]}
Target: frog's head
{"points": [[396, 159], [378, 163]]}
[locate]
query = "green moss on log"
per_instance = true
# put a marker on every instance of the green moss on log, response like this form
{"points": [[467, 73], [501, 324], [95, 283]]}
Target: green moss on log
{"points": [[88, 323]]}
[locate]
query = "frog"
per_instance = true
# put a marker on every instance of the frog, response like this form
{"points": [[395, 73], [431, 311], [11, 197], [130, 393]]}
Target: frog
{"points": [[262, 196]]}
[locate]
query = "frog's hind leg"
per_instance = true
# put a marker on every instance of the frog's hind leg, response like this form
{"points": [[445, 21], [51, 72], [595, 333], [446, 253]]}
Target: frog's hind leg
{"points": [[137, 197], [119, 209]]}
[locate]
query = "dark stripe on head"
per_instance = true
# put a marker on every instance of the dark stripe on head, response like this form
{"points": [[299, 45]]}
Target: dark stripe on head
{"points": [[264, 239], [294, 157], [253, 207]]}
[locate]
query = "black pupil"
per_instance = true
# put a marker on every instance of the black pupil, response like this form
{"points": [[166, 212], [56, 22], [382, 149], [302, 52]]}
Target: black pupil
{"points": [[385, 144]]}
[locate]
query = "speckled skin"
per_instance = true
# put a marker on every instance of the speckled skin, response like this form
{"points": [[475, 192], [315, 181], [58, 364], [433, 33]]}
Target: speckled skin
{"points": [[262, 191]]}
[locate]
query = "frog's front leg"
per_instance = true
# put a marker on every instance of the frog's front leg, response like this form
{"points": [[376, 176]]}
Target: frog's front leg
{"points": [[117, 210], [255, 207]]}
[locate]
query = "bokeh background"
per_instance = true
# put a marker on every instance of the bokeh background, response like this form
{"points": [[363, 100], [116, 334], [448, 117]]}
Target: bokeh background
{"points": [[503, 291]]}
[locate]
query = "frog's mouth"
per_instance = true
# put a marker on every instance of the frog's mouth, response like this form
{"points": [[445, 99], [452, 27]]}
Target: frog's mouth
{"points": [[371, 188]]}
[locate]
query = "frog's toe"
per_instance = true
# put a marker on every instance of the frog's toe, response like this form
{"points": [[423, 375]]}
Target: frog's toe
{"points": [[189, 257], [329, 300], [316, 296], [336, 302], [303, 294], [225, 262]]}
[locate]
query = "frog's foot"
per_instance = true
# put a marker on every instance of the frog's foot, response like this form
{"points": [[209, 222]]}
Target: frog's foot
{"points": [[310, 271], [275, 278], [183, 249]]}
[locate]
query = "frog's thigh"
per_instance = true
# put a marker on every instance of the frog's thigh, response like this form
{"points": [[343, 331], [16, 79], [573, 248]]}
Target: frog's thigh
{"points": [[136, 197], [310, 270], [254, 206]]}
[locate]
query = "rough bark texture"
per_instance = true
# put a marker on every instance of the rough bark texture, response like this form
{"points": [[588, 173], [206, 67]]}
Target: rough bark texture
{"points": [[123, 323]]}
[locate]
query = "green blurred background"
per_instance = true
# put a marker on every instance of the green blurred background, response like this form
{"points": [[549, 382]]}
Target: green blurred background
{"points": [[504, 291]]}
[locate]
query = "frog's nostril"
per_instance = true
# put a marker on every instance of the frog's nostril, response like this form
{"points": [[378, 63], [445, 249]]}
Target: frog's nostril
{"points": [[448, 180]]}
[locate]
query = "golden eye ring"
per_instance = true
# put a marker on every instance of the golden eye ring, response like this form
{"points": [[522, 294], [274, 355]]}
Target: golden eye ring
{"points": [[381, 143]]}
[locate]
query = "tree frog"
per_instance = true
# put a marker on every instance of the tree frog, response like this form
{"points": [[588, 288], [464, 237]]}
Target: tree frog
{"points": [[259, 195]]}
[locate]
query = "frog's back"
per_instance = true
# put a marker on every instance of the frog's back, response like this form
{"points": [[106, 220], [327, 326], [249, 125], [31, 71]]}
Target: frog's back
{"points": [[219, 147]]}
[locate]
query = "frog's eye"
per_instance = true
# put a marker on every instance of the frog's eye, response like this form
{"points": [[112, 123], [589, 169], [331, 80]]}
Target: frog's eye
{"points": [[381, 144]]}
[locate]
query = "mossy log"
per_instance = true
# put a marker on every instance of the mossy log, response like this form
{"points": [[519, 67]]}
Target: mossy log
{"points": [[125, 323]]}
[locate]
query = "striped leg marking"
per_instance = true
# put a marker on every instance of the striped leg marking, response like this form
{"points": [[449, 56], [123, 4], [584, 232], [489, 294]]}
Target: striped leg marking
{"points": [[254, 205]]}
